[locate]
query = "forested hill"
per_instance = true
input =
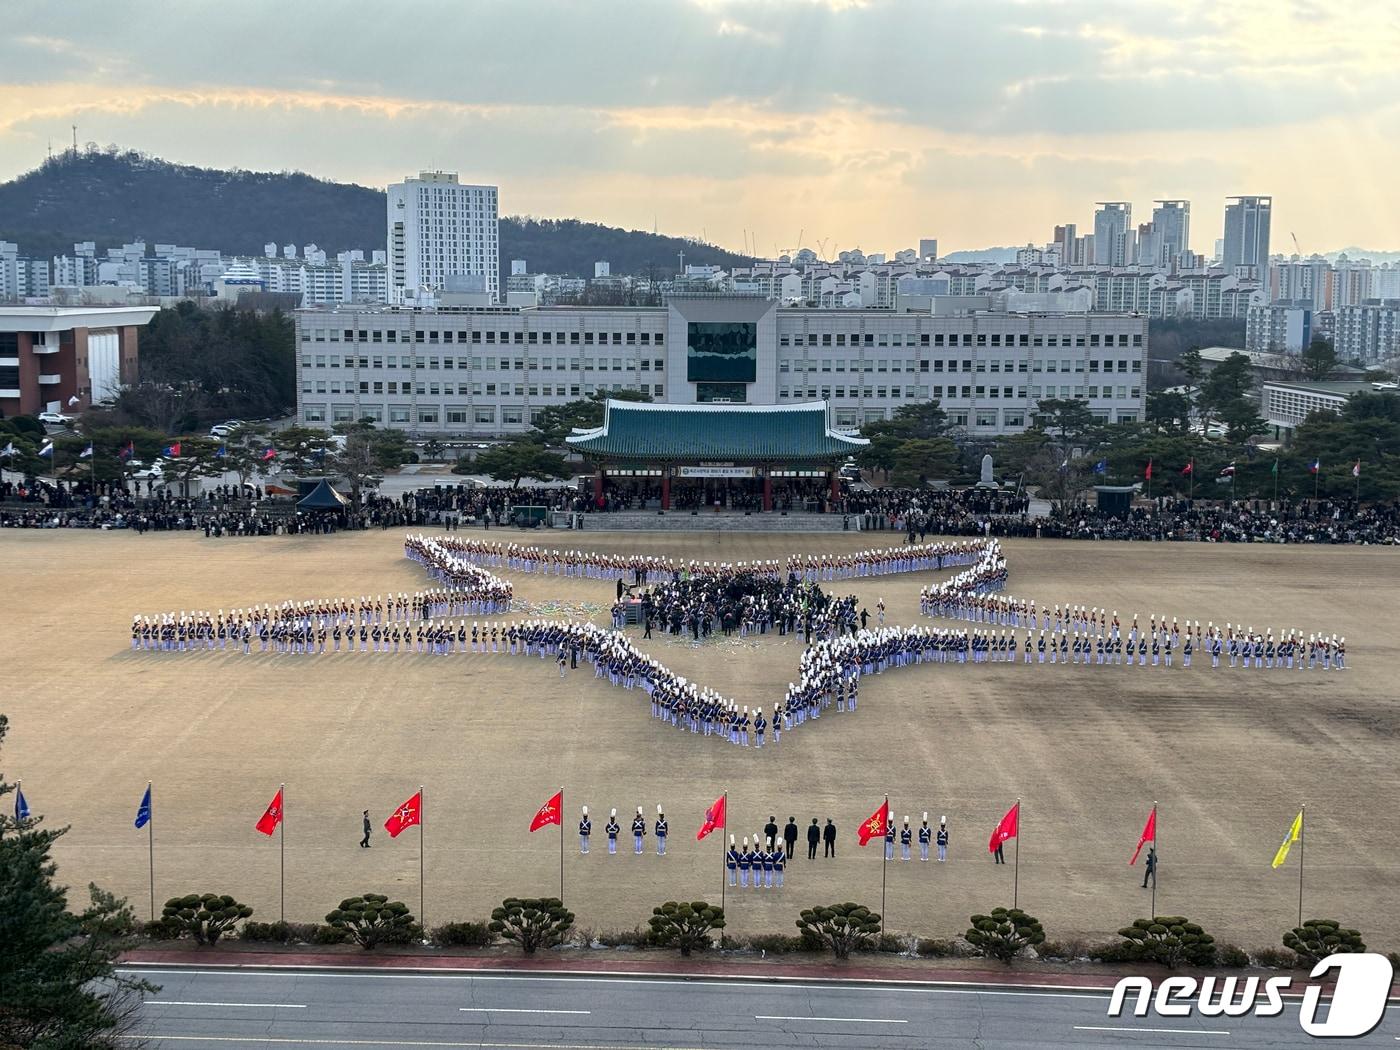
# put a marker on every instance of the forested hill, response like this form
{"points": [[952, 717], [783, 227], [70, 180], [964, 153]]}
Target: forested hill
{"points": [[114, 197]]}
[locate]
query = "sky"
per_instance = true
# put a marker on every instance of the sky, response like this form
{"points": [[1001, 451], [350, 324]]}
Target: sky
{"points": [[829, 124]]}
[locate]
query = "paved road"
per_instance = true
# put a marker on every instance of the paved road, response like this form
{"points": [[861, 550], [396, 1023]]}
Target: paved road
{"points": [[219, 1009]]}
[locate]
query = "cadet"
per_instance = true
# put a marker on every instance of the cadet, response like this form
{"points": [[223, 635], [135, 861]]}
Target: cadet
{"points": [[942, 839], [889, 838], [731, 860], [780, 857], [767, 859], [662, 829], [925, 836], [745, 862], [639, 830], [612, 829], [585, 828], [905, 837]]}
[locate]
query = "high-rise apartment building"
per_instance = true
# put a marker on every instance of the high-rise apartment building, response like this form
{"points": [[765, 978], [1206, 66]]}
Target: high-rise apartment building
{"points": [[1171, 220], [1113, 233], [1247, 233], [441, 229]]}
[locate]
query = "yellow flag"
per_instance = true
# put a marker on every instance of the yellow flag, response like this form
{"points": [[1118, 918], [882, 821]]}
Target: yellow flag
{"points": [[1289, 839]]}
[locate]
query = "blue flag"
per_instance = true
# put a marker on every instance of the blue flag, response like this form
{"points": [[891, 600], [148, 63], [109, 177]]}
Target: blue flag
{"points": [[143, 811], [21, 806], [1101, 467], [223, 451]]}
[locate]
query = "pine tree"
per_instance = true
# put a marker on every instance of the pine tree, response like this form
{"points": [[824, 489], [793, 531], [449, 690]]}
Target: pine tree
{"points": [[59, 989]]}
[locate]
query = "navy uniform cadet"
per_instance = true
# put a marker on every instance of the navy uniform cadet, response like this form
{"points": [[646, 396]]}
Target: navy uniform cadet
{"points": [[942, 839], [585, 828], [759, 725], [889, 838], [662, 829], [745, 861], [780, 856], [767, 859], [731, 860], [925, 837], [639, 830], [905, 838], [612, 829]]}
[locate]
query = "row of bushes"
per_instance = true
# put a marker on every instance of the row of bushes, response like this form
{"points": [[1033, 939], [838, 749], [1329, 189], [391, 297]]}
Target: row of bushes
{"points": [[1004, 934]]}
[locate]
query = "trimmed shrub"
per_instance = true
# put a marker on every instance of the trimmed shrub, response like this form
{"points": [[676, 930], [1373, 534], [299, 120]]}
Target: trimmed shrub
{"points": [[891, 944], [204, 916], [1318, 938], [1170, 940], [1231, 957], [844, 928], [633, 938], [1110, 952], [329, 935], [462, 935], [1071, 950], [372, 919], [936, 948], [1276, 959], [686, 925], [532, 922], [160, 930], [1005, 933]]}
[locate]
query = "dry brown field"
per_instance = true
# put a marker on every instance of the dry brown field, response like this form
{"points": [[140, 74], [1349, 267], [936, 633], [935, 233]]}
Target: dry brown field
{"points": [[1228, 754]]}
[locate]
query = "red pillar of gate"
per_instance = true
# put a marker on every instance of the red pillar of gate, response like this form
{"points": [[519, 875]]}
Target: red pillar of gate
{"points": [[598, 488], [835, 486], [767, 489], [665, 488]]}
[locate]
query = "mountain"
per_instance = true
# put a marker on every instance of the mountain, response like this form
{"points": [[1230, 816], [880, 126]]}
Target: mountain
{"points": [[115, 197]]}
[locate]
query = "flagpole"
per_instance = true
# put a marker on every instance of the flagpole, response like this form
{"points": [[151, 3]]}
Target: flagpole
{"points": [[422, 921], [884, 865], [561, 845], [282, 847], [1016, 869], [1156, 864], [1302, 852], [723, 851], [151, 845], [1275, 481]]}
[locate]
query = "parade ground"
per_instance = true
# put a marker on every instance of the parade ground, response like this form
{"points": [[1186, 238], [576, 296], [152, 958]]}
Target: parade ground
{"points": [[1227, 754]]}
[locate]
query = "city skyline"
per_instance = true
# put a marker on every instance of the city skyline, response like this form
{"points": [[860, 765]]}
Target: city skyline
{"points": [[694, 117]]}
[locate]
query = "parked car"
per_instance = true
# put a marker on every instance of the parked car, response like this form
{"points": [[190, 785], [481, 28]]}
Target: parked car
{"points": [[225, 428], [155, 472], [54, 419]]}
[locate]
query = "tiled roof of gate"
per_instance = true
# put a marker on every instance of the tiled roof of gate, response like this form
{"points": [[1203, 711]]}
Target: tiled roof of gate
{"points": [[716, 432]]}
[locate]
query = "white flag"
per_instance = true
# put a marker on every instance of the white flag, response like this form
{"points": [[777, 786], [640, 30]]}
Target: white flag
{"points": [[72, 400], [85, 453], [47, 450], [9, 450]]}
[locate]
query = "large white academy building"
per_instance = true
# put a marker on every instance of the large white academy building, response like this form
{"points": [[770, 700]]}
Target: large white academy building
{"points": [[442, 234], [484, 371]]}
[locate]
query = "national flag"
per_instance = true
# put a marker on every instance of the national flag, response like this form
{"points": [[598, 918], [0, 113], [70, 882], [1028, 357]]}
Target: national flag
{"points": [[171, 451], [714, 819], [1190, 467], [221, 451], [406, 816], [1148, 472], [1149, 834], [1101, 467], [86, 453], [1274, 469], [143, 811], [128, 450], [1295, 830], [8, 450], [268, 822], [47, 450], [550, 812], [1227, 471], [271, 453], [21, 806], [72, 400], [1007, 829], [1315, 466], [1356, 469], [874, 828]]}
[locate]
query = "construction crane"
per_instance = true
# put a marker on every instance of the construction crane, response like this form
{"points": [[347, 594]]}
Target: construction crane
{"points": [[1295, 243], [821, 246]]}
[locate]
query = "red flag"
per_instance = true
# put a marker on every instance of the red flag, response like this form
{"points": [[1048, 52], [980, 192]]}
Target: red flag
{"points": [[1006, 829], [1190, 466], [1149, 834], [874, 828], [1148, 473], [714, 819], [550, 812], [406, 816], [268, 822], [271, 453]]}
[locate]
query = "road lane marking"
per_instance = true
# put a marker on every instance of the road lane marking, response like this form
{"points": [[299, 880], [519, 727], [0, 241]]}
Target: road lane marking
{"points": [[272, 1006], [1149, 1031], [264, 1039], [839, 1020], [511, 1010]]}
